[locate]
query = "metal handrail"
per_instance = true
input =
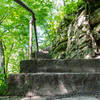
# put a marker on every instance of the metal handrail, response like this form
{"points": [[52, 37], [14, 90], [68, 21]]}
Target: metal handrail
{"points": [[33, 20]]}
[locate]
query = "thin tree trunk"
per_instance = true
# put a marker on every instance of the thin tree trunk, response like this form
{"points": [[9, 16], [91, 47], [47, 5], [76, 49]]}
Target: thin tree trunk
{"points": [[30, 41], [8, 58], [64, 2], [2, 62]]}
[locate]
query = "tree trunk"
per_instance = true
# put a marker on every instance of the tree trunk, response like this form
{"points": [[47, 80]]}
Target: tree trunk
{"points": [[2, 62], [30, 41], [64, 2]]}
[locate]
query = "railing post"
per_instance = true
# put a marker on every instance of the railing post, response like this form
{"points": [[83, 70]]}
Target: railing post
{"points": [[36, 38]]}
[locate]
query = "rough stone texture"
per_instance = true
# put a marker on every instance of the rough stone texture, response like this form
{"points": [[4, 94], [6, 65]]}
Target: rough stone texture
{"points": [[45, 98], [79, 65], [95, 17], [78, 38], [47, 84]]}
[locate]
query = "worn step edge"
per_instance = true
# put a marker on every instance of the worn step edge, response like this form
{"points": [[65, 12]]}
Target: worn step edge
{"points": [[85, 97], [21, 98], [56, 73], [70, 65], [52, 98]]}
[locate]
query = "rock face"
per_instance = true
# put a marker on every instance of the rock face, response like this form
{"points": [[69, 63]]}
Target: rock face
{"points": [[81, 37]]}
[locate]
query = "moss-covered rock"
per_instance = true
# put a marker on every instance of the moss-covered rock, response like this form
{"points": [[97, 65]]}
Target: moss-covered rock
{"points": [[78, 38]]}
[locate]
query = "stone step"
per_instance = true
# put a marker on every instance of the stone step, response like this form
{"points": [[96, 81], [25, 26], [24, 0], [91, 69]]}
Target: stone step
{"points": [[42, 55], [50, 98], [79, 65], [21, 98], [50, 84]]}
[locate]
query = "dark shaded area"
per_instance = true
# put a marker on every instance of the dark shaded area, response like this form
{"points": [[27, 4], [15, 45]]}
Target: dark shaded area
{"points": [[79, 65], [93, 4], [41, 55]]}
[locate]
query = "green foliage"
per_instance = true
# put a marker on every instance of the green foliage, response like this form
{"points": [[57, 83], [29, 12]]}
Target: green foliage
{"points": [[57, 18], [3, 84], [14, 29], [72, 6]]}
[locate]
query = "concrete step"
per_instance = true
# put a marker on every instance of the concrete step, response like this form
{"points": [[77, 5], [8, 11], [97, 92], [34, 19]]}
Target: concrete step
{"points": [[50, 98], [80, 65], [50, 84]]}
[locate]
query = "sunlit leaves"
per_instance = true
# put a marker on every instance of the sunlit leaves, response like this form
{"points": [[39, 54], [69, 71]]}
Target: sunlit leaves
{"points": [[72, 6], [54, 21]]}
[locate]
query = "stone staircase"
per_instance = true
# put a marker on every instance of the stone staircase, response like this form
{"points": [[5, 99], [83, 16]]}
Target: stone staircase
{"points": [[55, 80]]}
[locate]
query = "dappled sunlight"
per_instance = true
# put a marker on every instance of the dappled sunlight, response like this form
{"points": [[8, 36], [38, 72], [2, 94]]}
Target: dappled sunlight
{"points": [[62, 88]]}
